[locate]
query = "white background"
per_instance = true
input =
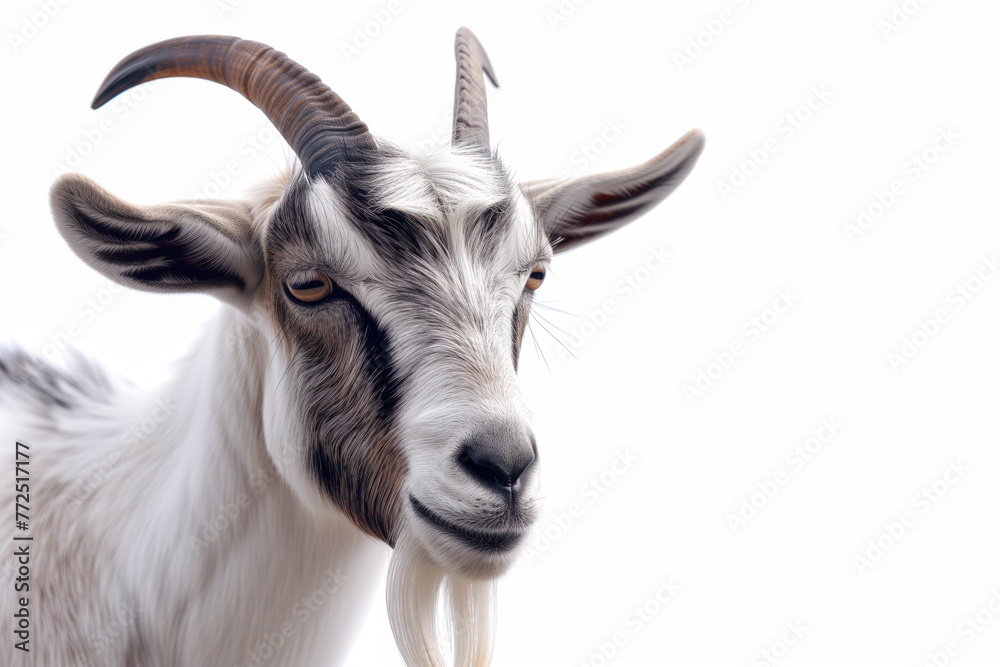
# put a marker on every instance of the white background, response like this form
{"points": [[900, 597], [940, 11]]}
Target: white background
{"points": [[565, 78]]}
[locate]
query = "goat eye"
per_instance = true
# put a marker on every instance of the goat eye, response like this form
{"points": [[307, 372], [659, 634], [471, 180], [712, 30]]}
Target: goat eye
{"points": [[535, 278], [309, 286]]}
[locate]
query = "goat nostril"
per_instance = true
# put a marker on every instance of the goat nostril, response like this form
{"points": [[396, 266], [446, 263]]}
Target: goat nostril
{"points": [[520, 467], [496, 466], [482, 467]]}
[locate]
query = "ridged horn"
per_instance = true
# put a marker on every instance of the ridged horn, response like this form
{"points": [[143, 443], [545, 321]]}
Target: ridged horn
{"points": [[314, 120], [471, 124]]}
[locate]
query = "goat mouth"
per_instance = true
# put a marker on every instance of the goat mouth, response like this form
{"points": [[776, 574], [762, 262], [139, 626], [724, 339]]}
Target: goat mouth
{"points": [[480, 540]]}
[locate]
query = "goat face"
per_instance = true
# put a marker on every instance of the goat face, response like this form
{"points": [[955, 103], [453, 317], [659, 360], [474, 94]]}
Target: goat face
{"points": [[389, 294], [399, 289]]}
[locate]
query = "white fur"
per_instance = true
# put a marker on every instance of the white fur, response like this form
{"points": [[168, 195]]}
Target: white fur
{"points": [[133, 529]]}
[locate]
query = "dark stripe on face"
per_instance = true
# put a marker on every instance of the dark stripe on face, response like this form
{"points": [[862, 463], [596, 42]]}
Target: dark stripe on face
{"points": [[397, 235], [291, 231], [489, 231], [348, 388], [496, 220], [292, 223], [362, 472], [378, 360], [350, 403], [519, 322], [377, 364]]}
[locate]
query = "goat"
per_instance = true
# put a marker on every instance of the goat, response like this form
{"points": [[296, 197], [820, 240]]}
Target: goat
{"points": [[357, 389]]}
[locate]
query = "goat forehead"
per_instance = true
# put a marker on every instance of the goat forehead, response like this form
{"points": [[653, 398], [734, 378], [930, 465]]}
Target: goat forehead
{"points": [[424, 185], [435, 217], [447, 202]]}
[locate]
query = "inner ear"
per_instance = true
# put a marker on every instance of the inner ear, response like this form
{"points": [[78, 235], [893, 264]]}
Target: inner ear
{"points": [[580, 210], [188, 246]]}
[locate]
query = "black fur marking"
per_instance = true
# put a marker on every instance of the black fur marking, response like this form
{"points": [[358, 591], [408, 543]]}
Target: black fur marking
{"points": [[519, 321], [292, 222], [158, 244], [350, 391], [146, 231], [181, 273], [50, 386], [396, 234], [379, 368], [355, 469], [401, 236]]}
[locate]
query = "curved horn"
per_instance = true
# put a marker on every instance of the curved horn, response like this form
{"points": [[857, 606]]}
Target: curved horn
{"points": [[471, 125], [314, 120]]}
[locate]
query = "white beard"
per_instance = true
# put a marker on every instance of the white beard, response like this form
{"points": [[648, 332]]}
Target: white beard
{"points": [[422, 598]]}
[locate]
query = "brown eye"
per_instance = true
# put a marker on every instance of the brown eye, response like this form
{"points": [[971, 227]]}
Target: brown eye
{"points": [[535, 278], [309, 286]]}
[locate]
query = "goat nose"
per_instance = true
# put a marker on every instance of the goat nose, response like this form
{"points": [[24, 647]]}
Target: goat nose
{"points": [[498, 456]]}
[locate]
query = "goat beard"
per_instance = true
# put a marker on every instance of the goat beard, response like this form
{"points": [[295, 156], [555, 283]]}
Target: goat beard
{"points": [[430, 608]]}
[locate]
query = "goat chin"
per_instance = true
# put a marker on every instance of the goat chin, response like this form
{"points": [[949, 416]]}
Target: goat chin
{"points": [[431, 610]]}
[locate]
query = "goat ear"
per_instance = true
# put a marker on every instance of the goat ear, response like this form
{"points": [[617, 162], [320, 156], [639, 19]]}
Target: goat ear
{"points": [[583, 209], [195, 246]]}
